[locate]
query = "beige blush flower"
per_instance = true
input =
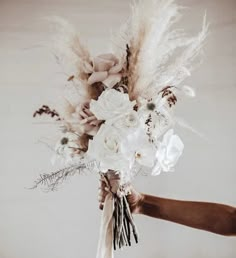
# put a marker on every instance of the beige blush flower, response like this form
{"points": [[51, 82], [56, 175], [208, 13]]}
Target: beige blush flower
{"points": [[105, 68]]}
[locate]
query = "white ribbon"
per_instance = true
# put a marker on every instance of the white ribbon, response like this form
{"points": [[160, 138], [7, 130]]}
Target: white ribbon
{"points": [[105, 243]]}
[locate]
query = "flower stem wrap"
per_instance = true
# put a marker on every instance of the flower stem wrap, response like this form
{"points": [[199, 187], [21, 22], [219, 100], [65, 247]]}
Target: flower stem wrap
{"points": [[117, 222]]}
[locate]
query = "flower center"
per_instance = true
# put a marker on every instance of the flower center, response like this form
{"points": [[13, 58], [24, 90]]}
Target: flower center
{"points": [[151, 106], [131, 120], [64, 141], [111, 144], [138, 155]]}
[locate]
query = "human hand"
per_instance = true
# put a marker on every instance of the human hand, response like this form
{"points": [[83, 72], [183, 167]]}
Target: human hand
{"points": [[134, 198]]}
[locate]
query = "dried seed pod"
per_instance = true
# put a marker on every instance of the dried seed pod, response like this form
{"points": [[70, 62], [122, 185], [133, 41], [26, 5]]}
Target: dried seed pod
{"points": [[47, 111]]}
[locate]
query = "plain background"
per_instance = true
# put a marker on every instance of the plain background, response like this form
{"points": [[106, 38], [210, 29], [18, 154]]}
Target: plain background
{"points": [[65, 224]]}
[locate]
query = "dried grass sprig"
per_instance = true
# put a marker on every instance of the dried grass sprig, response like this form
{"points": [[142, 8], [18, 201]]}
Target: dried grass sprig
{"points": [[170, 96], [70, 52], [51, 181], [47, 111], [159, 54]]}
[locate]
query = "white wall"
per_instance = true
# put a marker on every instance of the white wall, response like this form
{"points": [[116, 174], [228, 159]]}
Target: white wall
{"points": [[65, 224]]}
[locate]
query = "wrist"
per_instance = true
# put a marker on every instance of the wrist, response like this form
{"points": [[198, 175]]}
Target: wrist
{"points": [[139, 205], [149, 205]]}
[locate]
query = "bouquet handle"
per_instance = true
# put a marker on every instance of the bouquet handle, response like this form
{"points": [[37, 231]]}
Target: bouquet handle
{"points": [[117, 224]]}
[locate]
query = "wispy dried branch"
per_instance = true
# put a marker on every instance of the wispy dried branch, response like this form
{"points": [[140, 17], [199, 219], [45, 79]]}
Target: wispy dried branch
{"points": [[51, 181]]}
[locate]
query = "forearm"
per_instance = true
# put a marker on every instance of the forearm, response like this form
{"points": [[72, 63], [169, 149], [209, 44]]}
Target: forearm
{"points": [[213, 217]]}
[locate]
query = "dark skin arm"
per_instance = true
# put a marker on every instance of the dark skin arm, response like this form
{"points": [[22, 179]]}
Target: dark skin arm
{"points": [[214, 217]]}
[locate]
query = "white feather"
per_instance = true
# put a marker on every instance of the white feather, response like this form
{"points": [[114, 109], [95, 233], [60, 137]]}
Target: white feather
{"points": [[150, 35], [67, 46]]}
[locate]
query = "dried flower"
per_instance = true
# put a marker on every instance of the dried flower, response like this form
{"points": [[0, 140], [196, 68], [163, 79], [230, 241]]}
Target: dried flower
{"points": [[46, 110], [87, 119], [67, 146], [105, 68], [169, 95]]}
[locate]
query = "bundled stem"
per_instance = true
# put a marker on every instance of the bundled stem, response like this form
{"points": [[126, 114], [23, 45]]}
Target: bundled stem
{"points": [[123, 221]]}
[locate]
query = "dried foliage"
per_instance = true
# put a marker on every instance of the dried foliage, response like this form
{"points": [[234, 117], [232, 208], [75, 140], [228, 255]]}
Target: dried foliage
{"points": [[95, 90], [171, 98], [47, 111], [51, 181], [158, 54]]}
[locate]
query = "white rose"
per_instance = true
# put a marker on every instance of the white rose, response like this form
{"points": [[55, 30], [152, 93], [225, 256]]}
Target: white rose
{"points": [[128, 123], [106, 149], [111, 104], [169, 151]]}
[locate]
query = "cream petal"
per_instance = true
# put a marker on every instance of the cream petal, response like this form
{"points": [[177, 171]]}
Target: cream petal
{"points": [[95, 122], [88, 112], [83, 114], [91, 130], [97, 77], [116, 69], [109, 56], [87, 67], [156, 169], [188, 91], [73, 145], [100, 64], [87, 120], [112, 80]]}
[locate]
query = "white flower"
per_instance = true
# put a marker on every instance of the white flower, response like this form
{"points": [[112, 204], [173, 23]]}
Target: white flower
{"points": [[111, 104], [155, 117], [106, 149], [137, 148], [128, 123], [169, 151], [67, 147], [68, 140]]}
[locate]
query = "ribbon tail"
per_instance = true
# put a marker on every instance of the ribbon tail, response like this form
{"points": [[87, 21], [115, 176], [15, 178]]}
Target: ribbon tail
{"points": [[105, 243]]}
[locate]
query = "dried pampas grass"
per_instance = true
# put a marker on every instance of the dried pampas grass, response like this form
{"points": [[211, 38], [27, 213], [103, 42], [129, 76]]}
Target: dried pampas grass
{"points": [[153, 42]]}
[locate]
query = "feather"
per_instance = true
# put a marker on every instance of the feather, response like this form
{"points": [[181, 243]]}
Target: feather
{"points": [[184, 63], [67, 47], [71, 53], [159, 54]]}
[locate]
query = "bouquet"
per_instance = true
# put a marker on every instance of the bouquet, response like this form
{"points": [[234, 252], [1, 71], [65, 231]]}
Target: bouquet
{"points": [[117, 116]]}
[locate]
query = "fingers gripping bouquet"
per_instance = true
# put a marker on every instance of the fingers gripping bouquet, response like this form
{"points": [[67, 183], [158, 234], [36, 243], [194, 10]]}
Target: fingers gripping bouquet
{"points": [[119, 120]]}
